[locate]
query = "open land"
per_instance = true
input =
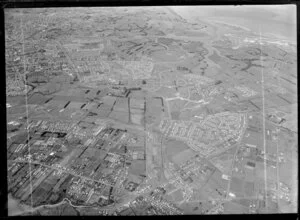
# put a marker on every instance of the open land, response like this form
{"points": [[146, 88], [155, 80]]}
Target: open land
{"points": [[143, 111]]}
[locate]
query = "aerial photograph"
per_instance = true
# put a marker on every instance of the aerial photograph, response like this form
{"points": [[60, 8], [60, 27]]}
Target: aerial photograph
{"points": [[151, 110]]}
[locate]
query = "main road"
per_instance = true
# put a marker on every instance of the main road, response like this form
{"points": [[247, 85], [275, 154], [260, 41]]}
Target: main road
{"points": [[61, 170]]}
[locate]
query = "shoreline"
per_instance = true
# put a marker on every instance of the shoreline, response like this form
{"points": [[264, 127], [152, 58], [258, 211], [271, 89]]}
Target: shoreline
{"points": [[227, 21]]}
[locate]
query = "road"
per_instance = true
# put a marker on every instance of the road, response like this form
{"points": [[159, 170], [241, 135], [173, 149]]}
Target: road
{"points": [[61, 170], [235, 154], [54, 205], [178, 97]]}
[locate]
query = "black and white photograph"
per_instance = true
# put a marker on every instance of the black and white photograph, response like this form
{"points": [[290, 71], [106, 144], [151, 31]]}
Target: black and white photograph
{"points": [[151, 110]]}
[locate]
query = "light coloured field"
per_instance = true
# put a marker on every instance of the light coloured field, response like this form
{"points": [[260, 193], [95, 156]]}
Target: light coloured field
{"points": [[136, 119], [169, 56], [174, 147], [15, 208]]}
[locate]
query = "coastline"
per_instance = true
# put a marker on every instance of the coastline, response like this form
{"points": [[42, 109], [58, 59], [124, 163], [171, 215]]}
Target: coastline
{"points": [[283, 31]]}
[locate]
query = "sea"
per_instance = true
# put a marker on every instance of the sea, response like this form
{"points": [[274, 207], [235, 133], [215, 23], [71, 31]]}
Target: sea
{"points": [[277, 21]]}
